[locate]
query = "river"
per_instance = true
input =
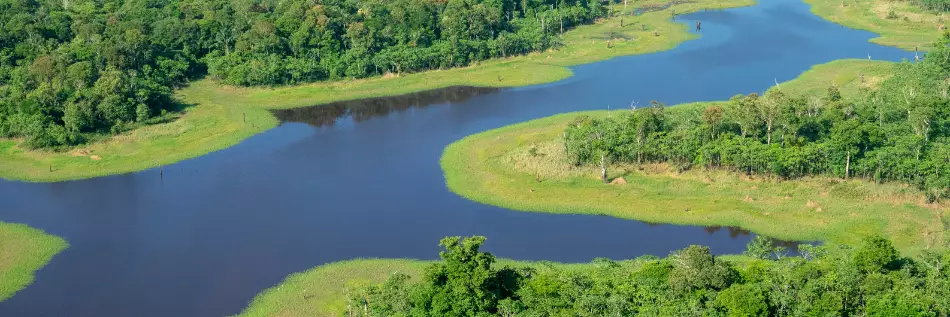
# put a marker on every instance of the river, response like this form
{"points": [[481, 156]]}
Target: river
{"points": [[362, 179]]}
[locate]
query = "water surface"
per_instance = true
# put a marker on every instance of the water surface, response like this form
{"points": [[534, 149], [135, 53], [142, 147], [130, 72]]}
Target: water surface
{"points": [[362, 179]]}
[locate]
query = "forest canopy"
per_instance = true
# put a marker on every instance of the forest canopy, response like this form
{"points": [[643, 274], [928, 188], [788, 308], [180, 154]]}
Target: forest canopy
{"points": [[872, 279], [897, 131], [72, 69]]}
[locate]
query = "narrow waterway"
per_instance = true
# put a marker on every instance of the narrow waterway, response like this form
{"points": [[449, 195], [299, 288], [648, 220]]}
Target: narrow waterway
{"points": [[362, 179]]}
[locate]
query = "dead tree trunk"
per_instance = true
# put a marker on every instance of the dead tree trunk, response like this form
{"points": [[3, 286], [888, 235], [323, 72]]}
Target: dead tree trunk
{"points": [[603, 168], [847, 166], [623, 13]]}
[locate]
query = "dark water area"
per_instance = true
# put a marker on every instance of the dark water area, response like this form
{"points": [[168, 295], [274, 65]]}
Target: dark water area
{"points": [[362, 179], [366, 109]]}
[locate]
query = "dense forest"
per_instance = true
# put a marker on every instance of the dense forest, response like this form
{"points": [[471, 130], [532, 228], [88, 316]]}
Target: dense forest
{"points": [[900, 130], [74, 69], [870, 280]]}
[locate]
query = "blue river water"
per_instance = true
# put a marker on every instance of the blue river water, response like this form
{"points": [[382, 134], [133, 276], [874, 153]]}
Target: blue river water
{"points": [[362, 179]]}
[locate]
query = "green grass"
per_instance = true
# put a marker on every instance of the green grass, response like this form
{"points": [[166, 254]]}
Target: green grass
{"points": [[497, 168], [844, 73], [321, 291], [23, 250], [216, 121], [911, 27]]}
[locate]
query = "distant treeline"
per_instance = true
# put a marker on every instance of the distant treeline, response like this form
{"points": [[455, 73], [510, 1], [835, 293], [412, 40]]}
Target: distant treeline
{"points": [[935, 5], [870, 280], [72, 69], [898, 131]]}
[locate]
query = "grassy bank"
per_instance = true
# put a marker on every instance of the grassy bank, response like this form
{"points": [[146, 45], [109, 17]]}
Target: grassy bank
{"points": [[321, 291], [899, 23], [23, 250], [584, 44], [216, 117], [501, 167]]}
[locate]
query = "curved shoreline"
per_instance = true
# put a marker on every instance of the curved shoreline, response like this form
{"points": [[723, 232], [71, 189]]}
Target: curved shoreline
{"points": [[910, 28], [25, 250], [218, 117], [517, 167]]}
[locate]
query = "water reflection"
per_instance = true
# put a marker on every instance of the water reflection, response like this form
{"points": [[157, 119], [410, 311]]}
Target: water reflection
{"points": [[364, 109], [733, 231]]}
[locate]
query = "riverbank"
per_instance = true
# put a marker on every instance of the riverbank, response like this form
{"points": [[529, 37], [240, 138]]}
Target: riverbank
{"points": [[217, 117], [503, 167], [23, 250], [899, 23]]}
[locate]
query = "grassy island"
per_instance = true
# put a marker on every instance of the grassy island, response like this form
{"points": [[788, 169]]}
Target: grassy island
{"points": [[523, 167], [900, 23], [218, 116], [23, 250]]}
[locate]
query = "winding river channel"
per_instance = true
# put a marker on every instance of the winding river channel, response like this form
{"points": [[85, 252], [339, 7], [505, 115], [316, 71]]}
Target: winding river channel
{"points": [[362, 179]]}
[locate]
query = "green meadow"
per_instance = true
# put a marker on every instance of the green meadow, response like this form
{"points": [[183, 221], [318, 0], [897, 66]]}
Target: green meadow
{"points": [[23, 250]]}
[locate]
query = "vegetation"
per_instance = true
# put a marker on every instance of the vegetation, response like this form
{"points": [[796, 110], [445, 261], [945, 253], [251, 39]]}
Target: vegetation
{"points": [[23, 250], [525, 167], [934, 5], [896, 132], [872, 279], [213, 116], [195, 131], [74, 68], [905, 24]]}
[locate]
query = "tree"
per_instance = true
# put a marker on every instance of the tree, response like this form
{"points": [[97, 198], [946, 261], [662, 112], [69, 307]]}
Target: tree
{"points": [[771, 111], [846, 137], [877, 254], [464, 283], [696, 268], [743, 300], [743, 110], [763, 248]]}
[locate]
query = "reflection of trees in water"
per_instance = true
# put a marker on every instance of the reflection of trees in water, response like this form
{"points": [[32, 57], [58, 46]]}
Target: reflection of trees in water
{"points": [[365, 109], [734, 232]]}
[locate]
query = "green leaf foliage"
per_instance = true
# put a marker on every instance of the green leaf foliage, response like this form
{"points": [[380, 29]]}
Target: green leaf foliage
{"points": [[828, 281], [73, 69], [897, 130]]}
